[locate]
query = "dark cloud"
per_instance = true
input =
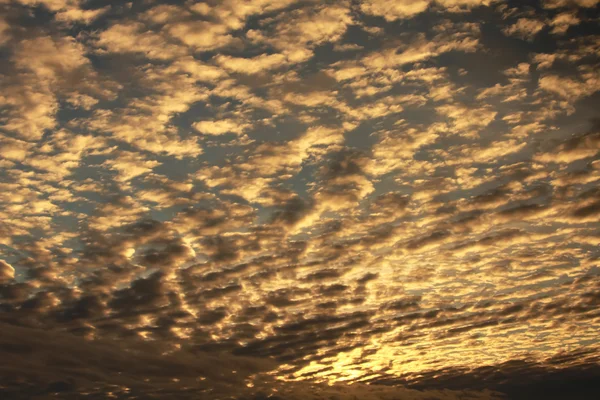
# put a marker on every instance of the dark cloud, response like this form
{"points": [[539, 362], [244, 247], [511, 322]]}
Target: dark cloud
{"points": [[587, 211], [433, 237], [98, 368], [520, 379], [143, 295], [292, 211], [324, 274], [406, 304], [369, 276]]}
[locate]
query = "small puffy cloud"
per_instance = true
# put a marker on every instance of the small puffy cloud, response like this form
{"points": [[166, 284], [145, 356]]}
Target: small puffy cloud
{"points": [[14, 149], [525, 28], [207, 27], [421, 50], [570, 88], [51, 58], [298, 33], [544, 60], [258, 64], [393, 10], [404, 9], [347, 47], [4, 31], [32, 112], [494, 152], [136, 38], [68, 10], [551, 4], [75, 14], [200, 35], [130, 165], [7, 272], [561, 22], [576, 148], [198, 70], [344, 181], [145, 122], [397, 149], [467, 121], [220, 127], [47, 67], [463, 5]]}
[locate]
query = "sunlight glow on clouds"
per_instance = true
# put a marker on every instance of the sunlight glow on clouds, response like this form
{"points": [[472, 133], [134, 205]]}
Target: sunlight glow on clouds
{"points": [[330, 198]]}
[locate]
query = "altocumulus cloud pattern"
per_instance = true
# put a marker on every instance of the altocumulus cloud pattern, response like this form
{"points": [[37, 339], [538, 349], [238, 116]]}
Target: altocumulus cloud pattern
{"points": [[299, 199]]}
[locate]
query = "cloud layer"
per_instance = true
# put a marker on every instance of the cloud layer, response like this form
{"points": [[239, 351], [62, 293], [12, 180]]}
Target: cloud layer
{"points": [[331, 198]]}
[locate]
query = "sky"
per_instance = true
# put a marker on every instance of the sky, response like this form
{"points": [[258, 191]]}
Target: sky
{"points": [[299, 199]]}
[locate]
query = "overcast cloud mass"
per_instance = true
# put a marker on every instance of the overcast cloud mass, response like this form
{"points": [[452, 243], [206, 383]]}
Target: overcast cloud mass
{"points": [[299, 199]]}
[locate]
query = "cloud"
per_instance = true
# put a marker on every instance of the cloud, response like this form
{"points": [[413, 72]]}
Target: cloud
{"points": [[569, 88], [525, 28], [406, 9], [123, 373], [462, 5], [467, 121], [136, 38], [130, 165], [258, 64], [305, 29], [207, 27], [281, 199], [563, 21], [144, 122], [68, 10], [519, 379], [137, 372], [7, 272], [575, 148], [13, 149], [343, 181], [47, 68], [566, 3], [220, 127], [396, 149], [394, 10]]}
